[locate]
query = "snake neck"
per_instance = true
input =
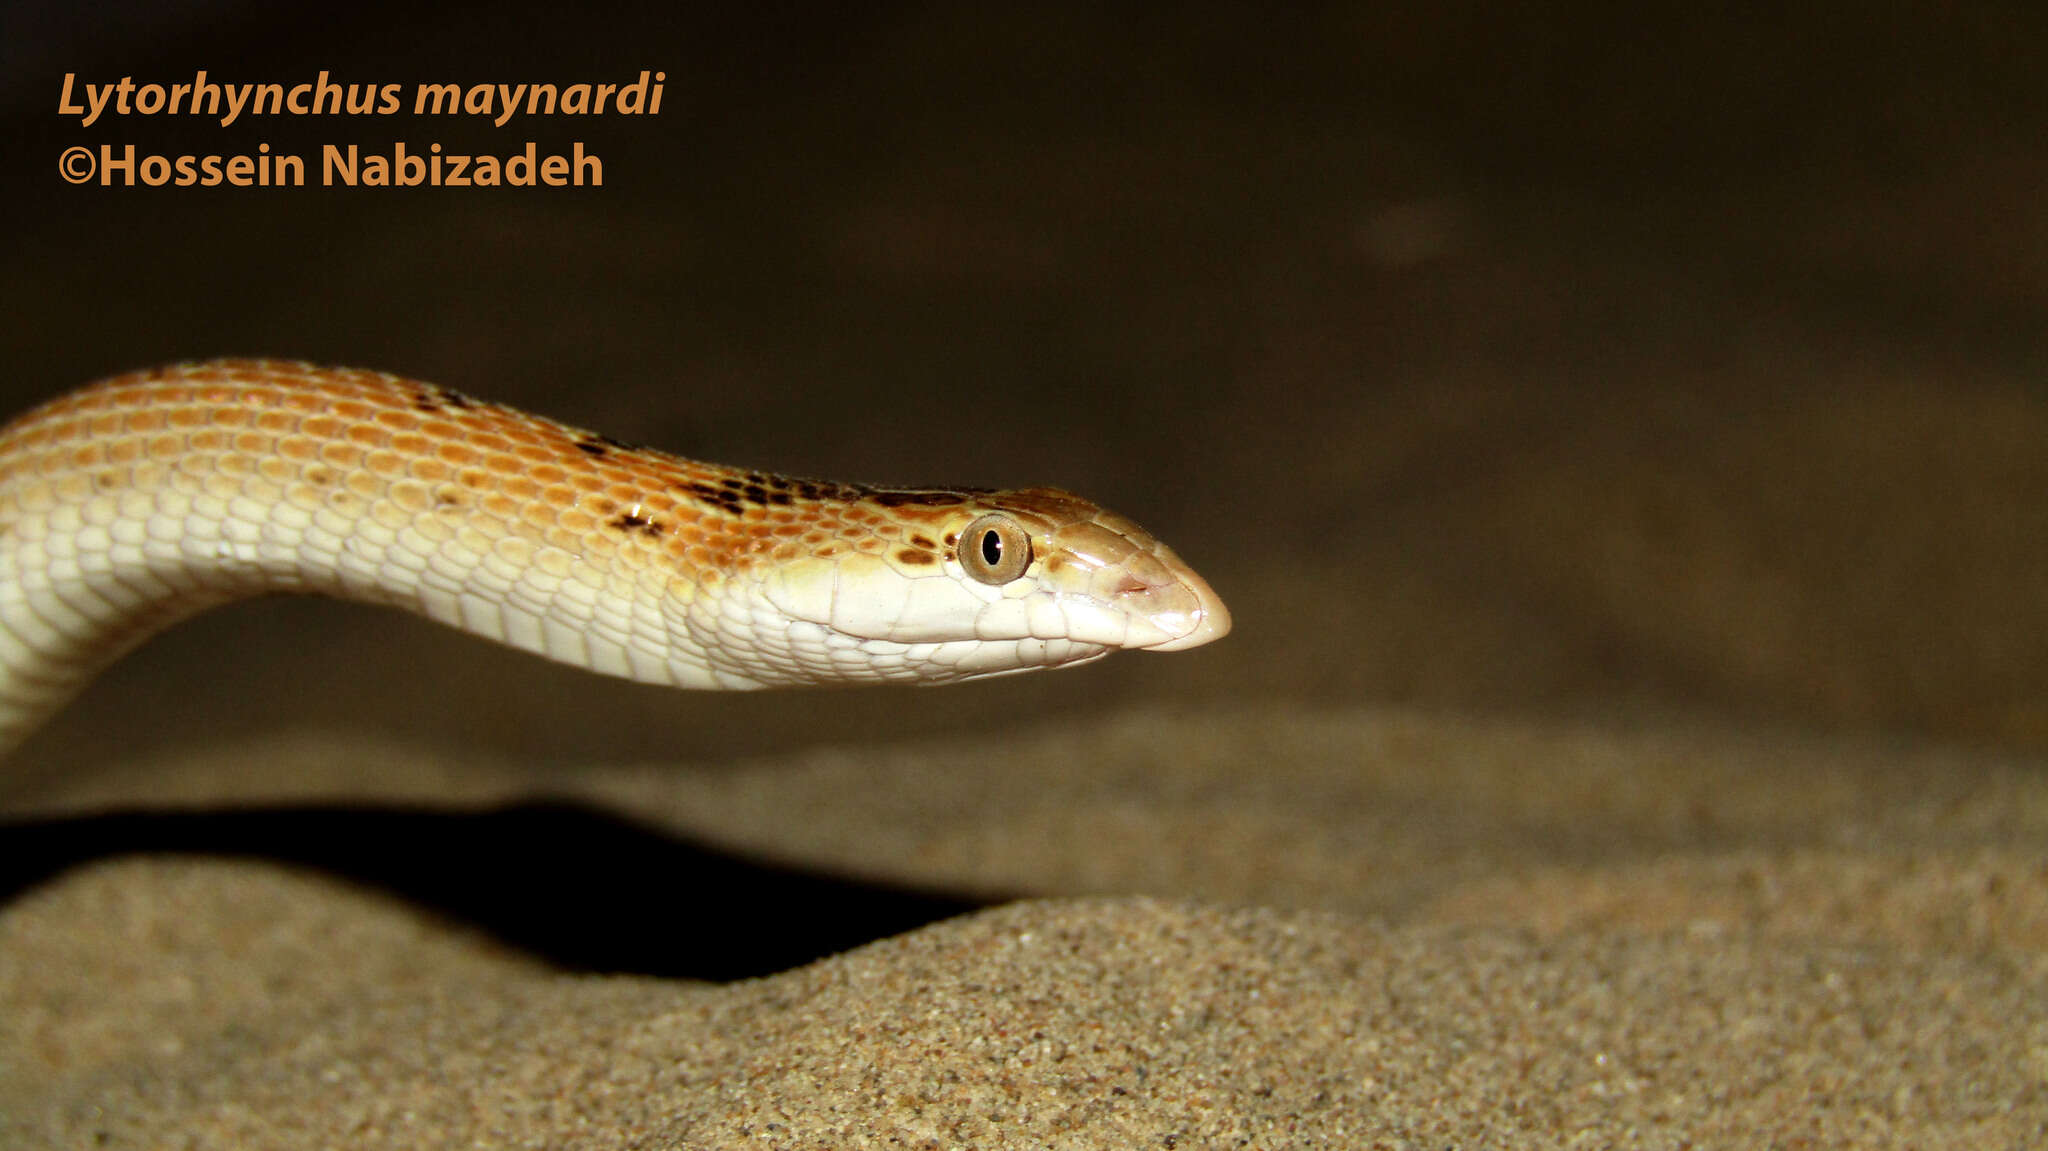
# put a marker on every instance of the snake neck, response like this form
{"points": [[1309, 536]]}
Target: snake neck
{"points": [[138, 502]]}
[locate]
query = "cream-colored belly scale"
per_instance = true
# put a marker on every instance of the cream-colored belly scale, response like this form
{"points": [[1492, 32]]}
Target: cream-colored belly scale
{"points": [[135, 502]]}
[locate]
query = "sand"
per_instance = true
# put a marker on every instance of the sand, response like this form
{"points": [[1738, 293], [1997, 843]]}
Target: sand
{"points": [[1390, 928]]}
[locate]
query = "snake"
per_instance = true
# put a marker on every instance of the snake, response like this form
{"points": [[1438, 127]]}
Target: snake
{"points": [[134, 503]]}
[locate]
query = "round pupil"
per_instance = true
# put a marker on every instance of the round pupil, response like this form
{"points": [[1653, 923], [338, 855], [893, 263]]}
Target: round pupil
{"points": [[991, 548]]}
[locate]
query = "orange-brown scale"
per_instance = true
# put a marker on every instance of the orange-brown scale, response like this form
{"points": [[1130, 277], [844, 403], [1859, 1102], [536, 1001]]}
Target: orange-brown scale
{"points": [[362, 423]]}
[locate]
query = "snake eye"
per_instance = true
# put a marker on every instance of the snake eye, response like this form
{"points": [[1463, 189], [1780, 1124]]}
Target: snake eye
{"points": [[995, 549]]}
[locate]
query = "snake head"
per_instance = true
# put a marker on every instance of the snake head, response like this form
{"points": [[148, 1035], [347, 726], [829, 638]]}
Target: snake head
{"points": [[948, 585], [1107, 580]]}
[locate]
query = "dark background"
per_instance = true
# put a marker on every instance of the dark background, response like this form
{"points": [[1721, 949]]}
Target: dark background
{"points": [[1586, 358]]}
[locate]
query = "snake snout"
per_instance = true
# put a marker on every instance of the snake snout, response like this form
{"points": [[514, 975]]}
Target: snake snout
{"points": [[1184, 608], [1143, 596]]}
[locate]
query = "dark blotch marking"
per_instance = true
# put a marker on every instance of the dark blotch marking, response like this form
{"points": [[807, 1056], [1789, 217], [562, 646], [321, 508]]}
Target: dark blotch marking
{"points": [[628, 522], [821, 490], [714, 496], [433, 398], [916, 558], [764, 490], [917, 499], [923, 541], [755, 488], [598, 445]]}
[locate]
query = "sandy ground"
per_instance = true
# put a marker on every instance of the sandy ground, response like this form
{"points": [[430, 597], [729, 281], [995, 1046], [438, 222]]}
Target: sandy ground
{"points": [[1385, 926], [1627, 470]]}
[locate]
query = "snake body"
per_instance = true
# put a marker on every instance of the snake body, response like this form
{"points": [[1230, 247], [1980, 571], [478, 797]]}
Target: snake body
{"points": [[133, 503]]}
